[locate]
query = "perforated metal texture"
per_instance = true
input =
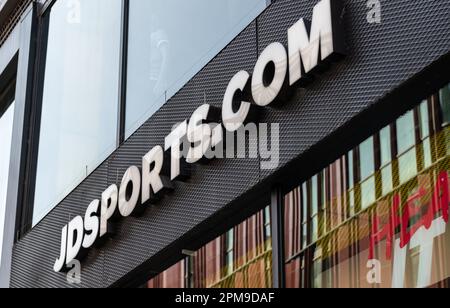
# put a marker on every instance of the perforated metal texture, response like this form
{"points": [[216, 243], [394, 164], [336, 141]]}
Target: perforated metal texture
{"points": [[412, 35]]}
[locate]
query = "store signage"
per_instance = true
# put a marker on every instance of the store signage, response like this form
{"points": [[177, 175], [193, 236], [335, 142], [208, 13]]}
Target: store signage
{"points": [[310, 45]]}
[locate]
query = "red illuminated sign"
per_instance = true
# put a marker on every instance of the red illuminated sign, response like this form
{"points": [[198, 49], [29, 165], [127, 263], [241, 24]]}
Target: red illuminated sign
{"points": [[401, 217]]}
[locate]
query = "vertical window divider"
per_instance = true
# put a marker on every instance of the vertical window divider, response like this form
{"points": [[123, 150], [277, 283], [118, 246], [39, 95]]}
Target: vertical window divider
{"points": [[33, 107], [123, 72], [439, 113], [418, 136], [436, 126], [395, 150], [278, 252]]}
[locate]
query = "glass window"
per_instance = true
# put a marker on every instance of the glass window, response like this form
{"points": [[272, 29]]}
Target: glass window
{"points": [[351, 174], [386, 159], [80, 98], [304, 206], [367, 167], [425, 134], [368, 193], [170, 41], [445, 104], [6, 129], [315, 208], [406, 137], [323, 221], [386, 180], [267, 227], [407, 164], [229, 254], [367, 158], [317, 270], [351, 182], [424, 120], [314, 195], [367, 245], [211, 267], [385, 146]]}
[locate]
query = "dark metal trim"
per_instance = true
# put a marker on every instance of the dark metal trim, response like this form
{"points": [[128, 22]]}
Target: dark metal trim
{"points": [[121, 120], [8, 86], [46, 6], [37, 56], [278, 253]]}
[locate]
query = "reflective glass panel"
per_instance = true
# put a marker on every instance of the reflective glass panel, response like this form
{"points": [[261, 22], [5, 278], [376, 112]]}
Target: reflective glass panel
{"points": [[170, 41], [80, 100], [367, 158]]}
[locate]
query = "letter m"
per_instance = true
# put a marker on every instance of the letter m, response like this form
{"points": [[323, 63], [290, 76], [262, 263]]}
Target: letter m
{"points": [[322, 38]]}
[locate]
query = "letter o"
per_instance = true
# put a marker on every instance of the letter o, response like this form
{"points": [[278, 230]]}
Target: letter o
{"points": [[270, 74], [129, 191]]}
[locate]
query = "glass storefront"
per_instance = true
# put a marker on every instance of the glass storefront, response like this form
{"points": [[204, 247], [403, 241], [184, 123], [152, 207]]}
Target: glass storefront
{"points": [[241, 258], [384, 216]]}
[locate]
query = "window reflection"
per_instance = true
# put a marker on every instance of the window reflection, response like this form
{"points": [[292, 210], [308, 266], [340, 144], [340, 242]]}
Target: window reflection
{"points": [[229, 253], [315, 208], [400, 220], [366, 151], [367, 167], [386, 160], [240, 258], [425, 134], [406, 132], [80, 99], [170, 41], [406, 139], [304, 207], [385, 146]]}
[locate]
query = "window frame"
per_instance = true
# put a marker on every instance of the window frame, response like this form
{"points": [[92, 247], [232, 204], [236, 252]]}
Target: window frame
{"points": [[229, 250]]}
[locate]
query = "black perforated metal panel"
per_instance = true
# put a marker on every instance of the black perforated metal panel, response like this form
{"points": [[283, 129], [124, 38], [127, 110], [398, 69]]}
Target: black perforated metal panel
{"points": [[412, 36]]}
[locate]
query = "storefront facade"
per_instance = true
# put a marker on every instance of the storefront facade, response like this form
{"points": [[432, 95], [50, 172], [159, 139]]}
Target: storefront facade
{"points": [[348, 189]]}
